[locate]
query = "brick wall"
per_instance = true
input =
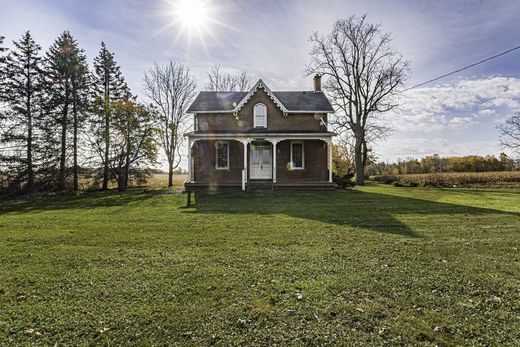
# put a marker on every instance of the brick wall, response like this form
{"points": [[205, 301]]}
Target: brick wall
{"points": [[276, 121], [315, 152], [204, 157]]}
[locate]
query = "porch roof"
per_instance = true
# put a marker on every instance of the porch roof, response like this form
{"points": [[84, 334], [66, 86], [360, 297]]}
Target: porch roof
{"points": [[255, 134]]}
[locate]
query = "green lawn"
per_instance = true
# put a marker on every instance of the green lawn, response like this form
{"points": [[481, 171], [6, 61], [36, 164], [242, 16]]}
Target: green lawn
{"points": [[378, 265]]}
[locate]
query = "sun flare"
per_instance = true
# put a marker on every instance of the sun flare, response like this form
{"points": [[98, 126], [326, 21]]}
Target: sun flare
{"points": [[192, 14], [194, 21]]}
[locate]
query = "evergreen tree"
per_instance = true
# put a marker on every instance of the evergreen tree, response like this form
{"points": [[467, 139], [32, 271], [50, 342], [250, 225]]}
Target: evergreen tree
{"points": [[67, 85], [22, 95], [3, 59], [109, 86], [3, 97], [80, 83]]}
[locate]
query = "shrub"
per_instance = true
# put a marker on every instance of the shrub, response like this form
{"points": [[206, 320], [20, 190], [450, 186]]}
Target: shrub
{"points": [[449, 179], [343, 181]]}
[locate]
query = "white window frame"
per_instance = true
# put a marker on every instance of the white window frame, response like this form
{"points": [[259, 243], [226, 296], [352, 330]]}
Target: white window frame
{"points": [[217, 143], [256, 125], [303, 155]]}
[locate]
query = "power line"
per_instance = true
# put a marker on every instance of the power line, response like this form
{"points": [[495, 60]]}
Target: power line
{"points": [[462, 69]]}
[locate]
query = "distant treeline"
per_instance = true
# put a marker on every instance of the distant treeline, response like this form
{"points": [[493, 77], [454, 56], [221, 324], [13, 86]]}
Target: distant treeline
{"points": [[57, 113], [435, 164]]}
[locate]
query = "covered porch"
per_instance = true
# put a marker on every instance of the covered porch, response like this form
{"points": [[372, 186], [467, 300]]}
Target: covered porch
{"points": [[259, 161]]}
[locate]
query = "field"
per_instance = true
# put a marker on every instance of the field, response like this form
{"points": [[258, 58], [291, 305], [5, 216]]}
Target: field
{"points": [[453, 179], [376, 265]]}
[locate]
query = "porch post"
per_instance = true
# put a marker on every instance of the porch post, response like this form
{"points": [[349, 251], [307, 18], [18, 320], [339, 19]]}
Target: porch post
{"points": [[330, 159], [189, 161], [244, 171], [274, 142]]}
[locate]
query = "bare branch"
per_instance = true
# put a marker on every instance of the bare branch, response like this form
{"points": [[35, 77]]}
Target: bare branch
{"points": [[363, 76]]}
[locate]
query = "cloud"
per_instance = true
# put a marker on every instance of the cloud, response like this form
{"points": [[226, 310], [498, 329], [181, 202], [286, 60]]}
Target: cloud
{"points": [[461, 104]]}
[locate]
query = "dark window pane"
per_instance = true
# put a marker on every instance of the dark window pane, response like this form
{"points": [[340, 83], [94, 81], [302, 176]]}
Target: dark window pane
{"points": [[297, 152], [222, 155]]}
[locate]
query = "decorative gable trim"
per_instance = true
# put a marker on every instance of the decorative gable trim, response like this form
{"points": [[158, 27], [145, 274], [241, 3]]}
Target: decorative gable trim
{"points": [[261, 84]]}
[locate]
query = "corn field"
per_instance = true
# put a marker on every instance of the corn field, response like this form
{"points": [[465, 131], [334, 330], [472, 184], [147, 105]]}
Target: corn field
{"points": [[450, 179]]}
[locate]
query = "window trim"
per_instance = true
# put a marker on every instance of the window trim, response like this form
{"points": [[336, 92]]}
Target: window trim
{"points": [[195, 122], [255, 123], [216, 155], [303, 156]]}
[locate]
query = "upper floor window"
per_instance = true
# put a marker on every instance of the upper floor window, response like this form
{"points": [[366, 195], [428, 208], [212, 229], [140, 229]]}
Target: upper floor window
{"points": [[260, 116], [222, 155]]}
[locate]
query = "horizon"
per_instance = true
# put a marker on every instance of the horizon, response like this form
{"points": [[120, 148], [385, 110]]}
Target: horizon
{"points": [[454, 116]]}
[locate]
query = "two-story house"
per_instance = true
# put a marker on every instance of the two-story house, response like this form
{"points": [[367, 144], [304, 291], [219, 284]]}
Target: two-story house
{"points": [[260, 138]]}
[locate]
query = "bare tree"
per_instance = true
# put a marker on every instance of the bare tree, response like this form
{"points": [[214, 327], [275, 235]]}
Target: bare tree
{"points": [[510, 134], [363, 77], [222, 82], [171, 89]]}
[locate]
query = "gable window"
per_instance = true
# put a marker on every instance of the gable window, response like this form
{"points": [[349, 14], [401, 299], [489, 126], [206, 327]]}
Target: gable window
{"points": [[260, 116], [297, 155], [222, 155]]}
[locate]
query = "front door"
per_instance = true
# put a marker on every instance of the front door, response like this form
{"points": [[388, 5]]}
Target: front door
{"points": [[261, 162]]}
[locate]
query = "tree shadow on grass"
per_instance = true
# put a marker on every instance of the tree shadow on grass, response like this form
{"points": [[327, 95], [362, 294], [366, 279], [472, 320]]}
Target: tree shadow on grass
{"points": [[367, 210], [85, 201]]}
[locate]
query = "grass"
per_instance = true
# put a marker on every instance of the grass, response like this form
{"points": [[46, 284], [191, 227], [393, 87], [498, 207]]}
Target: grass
{"points": [[378, 265], [453, 179]]}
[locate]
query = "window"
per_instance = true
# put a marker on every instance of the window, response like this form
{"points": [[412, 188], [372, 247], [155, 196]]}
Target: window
{"points": [[222, 155], [260, 116], [196, 122], [297, 155]]}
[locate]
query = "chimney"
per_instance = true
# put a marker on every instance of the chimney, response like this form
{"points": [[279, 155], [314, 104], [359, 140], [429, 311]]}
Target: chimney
{"points": [[317, 83]]}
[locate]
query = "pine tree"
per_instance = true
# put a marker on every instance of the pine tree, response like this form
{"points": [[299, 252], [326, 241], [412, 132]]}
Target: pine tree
{"points": [[67, 83], [80, 83], [3, 59], [22, 94], [109, 86]]}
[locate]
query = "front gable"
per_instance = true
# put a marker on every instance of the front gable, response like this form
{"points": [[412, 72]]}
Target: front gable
{"points": [[260, 85], [275, 114]]}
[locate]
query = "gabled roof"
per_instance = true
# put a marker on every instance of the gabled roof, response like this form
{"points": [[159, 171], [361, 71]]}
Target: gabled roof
{"points": [[287, 101]]}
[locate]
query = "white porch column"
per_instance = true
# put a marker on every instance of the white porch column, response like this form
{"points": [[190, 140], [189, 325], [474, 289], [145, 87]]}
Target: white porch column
{"points": [[245, 142], [330, 159], [190, 169], [274, 142]]}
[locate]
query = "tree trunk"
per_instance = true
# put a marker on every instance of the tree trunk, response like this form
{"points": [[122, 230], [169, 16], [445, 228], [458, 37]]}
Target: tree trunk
{"points": [[30, 173], [170, 174], [107, 145], [120, 180], [61, 176], [75, 145], [360, 168]]}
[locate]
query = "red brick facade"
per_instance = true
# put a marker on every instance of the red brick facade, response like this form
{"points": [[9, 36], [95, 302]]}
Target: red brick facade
{"points": [[204, 160]]}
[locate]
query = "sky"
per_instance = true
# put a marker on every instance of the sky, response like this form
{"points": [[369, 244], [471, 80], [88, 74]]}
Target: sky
{"points": [[454, 116]]}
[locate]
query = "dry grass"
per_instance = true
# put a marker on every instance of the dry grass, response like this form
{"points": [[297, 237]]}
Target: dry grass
{"points": [[161, 181], [157, 181], [451, 179]]}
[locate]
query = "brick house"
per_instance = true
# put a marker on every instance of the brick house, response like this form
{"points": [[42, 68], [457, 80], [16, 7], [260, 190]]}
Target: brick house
{"points": [[261, 138]]}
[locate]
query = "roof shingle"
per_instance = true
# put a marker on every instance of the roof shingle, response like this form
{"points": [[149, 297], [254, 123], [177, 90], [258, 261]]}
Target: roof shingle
{"points": [[307, 101]]}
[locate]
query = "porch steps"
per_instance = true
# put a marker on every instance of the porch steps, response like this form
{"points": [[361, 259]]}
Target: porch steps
{"points": [[259, 186]]}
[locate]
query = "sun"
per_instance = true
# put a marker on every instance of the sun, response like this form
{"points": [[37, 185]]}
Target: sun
{"points": [[192, 13], [194, 21]]}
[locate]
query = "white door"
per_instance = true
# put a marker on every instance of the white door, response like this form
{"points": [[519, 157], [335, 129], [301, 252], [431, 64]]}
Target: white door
{"points": [[261, 163]]}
